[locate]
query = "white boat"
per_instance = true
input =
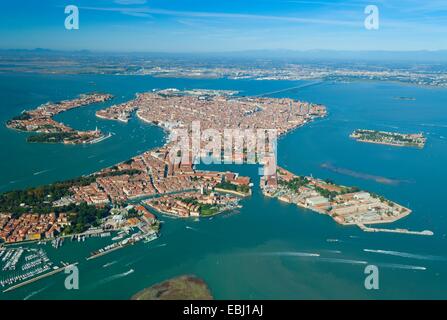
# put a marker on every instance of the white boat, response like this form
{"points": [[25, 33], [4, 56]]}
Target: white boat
{"points": [[118, 237]]}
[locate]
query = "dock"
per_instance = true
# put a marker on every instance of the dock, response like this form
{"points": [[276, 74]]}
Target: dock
{"points": [[404, 231], [103, 253]]}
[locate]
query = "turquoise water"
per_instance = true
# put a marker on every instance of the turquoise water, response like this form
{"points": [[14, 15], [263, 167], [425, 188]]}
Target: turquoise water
{"points": [[255, 253]]}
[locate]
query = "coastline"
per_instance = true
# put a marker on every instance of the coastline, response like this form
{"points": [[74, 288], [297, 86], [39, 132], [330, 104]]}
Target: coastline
{"points": [[363, 226], [43, 128], [347, 206], [389, 144]]}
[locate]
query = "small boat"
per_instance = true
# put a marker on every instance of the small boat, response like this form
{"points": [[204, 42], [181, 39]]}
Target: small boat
{"points": [[118, 237]]}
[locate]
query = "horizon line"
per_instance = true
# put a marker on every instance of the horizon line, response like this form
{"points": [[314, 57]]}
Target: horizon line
{"points": [[226, 52]]}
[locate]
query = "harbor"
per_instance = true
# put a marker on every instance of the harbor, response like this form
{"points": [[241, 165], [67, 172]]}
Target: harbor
{"points": [[137, 237], [40, 277], [22, 265]]}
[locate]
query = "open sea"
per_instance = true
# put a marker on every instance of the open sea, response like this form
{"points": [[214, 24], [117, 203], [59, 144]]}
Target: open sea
{"points": [[268, 249]]}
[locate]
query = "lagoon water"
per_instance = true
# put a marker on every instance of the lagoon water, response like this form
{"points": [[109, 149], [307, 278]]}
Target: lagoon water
{"points": [[268, 249]]}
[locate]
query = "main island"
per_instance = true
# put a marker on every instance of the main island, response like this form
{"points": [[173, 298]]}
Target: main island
{"points": [[125, 199]]}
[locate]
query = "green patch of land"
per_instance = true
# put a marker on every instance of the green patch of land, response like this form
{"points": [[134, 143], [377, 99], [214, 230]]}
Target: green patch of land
{"points": [[232, 187], [186, 287], [53, 137], [300, 181]]}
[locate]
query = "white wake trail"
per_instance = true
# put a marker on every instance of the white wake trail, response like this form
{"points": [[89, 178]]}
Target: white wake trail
{"points": [[406, 255]]}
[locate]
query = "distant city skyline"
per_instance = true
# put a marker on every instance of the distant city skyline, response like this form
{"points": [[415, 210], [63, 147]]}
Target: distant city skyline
{"points": [[209, 26]]}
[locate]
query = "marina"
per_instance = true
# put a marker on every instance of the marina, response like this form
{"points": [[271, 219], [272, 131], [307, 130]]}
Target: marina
{"points": [[39, 276], [23, 264]]}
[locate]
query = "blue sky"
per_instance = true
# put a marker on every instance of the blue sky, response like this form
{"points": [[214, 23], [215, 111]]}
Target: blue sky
{"points": [[224, 25]]}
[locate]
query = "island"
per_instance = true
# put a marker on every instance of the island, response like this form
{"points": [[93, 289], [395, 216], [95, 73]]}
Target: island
{"points": [[188, 287], [75, 206], [390, 138], [117, 200], [216, 109], [346, 205], [40, 121]]}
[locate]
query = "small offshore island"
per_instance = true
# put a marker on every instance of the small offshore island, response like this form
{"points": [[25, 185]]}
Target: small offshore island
{"points": [[186, 287], [390, 138], [346, 205], [40, 120]]}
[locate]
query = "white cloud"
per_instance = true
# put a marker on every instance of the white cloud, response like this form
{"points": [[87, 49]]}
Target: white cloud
{"points": [[197, 14]]}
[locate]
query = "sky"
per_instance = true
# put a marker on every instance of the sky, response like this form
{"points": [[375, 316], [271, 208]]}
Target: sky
{"points": [[223, 25]]}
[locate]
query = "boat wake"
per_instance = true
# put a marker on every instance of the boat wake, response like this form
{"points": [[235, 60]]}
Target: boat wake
{"points": [[109, 264], [333, 240], [117, 276], [401, 266], [41, 172], [32, 294], [316, 255], [333, 251], [291, 254], [343, 261], [191, 228], [406, 255]]}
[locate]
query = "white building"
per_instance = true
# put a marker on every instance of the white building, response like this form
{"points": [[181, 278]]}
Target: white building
{"points": [[315, 201]]}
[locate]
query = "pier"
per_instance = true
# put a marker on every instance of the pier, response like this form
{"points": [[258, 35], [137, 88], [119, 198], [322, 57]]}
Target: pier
{"points": [[404, 231]]}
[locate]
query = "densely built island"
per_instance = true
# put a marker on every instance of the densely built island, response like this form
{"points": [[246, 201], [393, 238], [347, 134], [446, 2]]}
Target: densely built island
{"points": [[118, 198], [40, 121], [74, 206], [390, 138], [215, 109]]}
